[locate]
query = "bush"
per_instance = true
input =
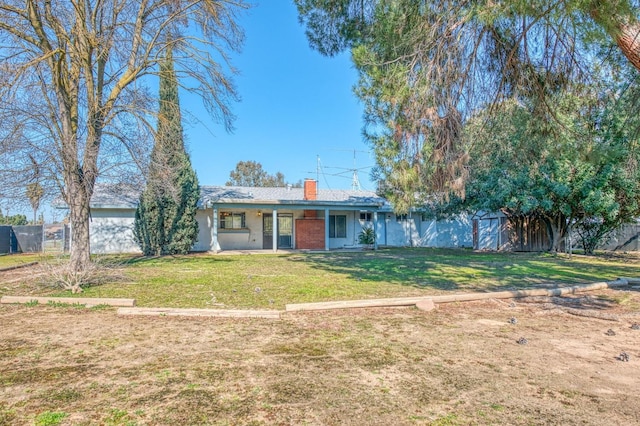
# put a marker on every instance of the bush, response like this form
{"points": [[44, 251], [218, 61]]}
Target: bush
{"points": [[367, 236], [59, 273]]}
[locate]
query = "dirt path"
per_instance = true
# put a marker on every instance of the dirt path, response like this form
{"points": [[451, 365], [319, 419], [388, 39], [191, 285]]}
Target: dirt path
{"points": [[460, 364]]}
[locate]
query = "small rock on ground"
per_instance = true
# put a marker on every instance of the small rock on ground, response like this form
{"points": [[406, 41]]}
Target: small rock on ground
{"points": [[623, 357]]}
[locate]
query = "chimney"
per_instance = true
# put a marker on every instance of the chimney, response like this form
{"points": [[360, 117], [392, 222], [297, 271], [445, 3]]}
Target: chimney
{"points": [[310, 189]]}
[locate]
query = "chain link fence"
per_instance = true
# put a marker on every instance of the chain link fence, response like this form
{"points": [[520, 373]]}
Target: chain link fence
{"points": [[49, 238]]}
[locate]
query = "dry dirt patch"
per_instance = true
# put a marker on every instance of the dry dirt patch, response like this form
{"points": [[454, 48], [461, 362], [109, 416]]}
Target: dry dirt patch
{"points": [[459, 364]]}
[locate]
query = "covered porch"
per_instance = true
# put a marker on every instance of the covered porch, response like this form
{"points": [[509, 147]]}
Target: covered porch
{"points": [[276, 227]]}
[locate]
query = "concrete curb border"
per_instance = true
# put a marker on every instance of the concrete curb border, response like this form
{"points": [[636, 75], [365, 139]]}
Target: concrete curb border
{"points": [[68, 300], [427, 303], [410, 301]]}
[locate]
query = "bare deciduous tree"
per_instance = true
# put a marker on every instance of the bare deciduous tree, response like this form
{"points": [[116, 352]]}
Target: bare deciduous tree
{"points": [[73, 80]]}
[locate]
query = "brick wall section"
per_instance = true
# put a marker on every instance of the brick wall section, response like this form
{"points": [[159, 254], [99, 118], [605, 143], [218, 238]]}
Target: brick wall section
{"points": [[310, 234], [310, 189]]}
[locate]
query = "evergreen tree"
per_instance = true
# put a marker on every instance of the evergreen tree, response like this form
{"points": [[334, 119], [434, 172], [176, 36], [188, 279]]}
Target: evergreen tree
{"points": [[165, 221], [426, 67]]}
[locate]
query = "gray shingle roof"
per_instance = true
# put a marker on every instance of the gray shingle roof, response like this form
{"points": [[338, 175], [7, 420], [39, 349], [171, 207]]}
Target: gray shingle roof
{"points": [[118, 196], [258, 195], [115, 196]]}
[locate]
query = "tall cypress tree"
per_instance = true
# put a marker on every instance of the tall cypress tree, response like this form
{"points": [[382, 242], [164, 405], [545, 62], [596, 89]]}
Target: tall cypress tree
{"points": [[165, 221]]}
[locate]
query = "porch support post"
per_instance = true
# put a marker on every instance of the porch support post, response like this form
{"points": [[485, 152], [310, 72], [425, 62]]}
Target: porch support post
{"points": [[326, 229], [275, 230], [215, 246], [375, 230]]}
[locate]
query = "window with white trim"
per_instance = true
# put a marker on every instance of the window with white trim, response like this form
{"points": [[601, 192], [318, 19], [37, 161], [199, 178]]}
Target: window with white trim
{"points": [[232, 220], [337, 226], [365, 216]]}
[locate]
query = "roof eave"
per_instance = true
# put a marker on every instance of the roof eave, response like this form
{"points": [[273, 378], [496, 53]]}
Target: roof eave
{"points": [[310, 203]]}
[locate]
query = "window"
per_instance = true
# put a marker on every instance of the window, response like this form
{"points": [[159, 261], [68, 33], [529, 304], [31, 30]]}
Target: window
{"points": [[402, 217], [229, 220], [337, 226], [365, 216]]}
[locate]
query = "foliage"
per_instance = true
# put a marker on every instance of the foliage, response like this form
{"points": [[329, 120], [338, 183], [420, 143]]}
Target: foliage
{"points": [[579, 168], [426, 67], [74, 95], [165, 220], [592, 232], [367, 236], [251, 173], [16, 220], [35, 193]]}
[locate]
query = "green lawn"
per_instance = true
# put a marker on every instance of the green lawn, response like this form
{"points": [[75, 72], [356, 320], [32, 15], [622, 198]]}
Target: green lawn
{"points": [[271, 281], [11, 260]]}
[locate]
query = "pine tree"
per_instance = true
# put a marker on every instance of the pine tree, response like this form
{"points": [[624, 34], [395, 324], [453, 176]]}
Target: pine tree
{"points": [[165, 221]]}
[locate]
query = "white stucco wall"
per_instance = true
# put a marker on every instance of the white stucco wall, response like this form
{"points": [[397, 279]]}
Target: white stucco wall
{"points": [[451, 233], [111, 231], [204, 231], [354, 227], [400, 233], [250, 238]]}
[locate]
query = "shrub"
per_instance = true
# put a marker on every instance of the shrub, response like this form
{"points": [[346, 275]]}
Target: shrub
{"points": [[367, 236], [59, 273]]}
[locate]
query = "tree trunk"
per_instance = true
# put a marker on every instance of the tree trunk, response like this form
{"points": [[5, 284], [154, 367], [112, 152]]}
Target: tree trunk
{"points": [[556, 228], [626, 34], [555, 238], [628, 40], [80, 182], [79, 216]]}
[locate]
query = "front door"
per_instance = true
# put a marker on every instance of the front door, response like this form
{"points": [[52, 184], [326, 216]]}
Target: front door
{"points": [[285, 231]]}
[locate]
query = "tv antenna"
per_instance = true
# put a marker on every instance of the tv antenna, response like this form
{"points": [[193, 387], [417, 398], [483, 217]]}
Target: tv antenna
{"points": [[342, 171], [355, 180]]}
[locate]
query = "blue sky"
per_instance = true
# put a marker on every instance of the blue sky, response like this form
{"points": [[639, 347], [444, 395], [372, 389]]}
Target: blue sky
{"points": [[295, 105]]}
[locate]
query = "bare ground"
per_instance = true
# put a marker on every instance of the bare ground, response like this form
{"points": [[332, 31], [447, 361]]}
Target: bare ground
{"points": [[460, 364]]}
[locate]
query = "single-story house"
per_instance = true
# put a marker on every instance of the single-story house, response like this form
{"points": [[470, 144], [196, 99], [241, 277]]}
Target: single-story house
{"points": [[256, 218]]}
